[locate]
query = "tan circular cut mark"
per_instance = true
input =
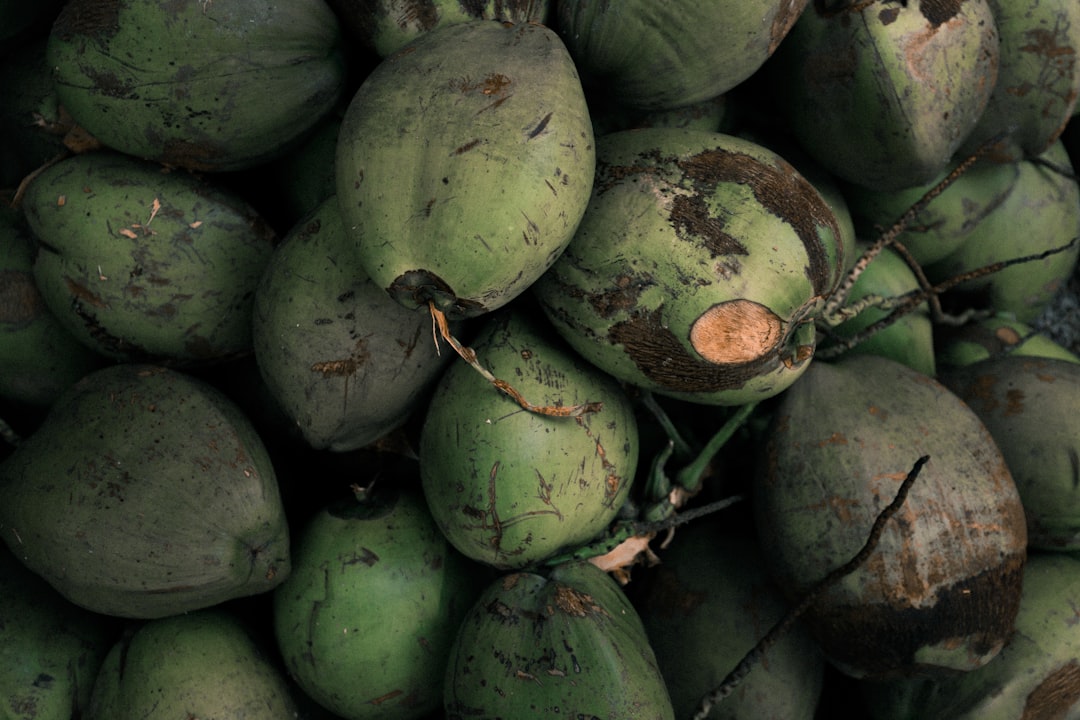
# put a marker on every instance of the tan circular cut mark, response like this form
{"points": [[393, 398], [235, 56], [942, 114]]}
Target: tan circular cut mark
{"points": [[737, 331]]}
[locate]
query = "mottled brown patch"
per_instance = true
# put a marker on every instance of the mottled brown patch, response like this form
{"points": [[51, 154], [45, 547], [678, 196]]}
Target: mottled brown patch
{"points": [[622, 297], [575, 603], [694, 222], [96, 19], [1056, 695], [888, 16], [881, 640], [939, 12], [781, 191]]}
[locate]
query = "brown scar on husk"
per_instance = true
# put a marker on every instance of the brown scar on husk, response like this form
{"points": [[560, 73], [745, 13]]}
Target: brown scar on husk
{"points": [[736, 331]]}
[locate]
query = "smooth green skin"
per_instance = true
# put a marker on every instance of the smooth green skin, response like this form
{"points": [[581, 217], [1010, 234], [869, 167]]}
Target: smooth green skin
{"points": [[464, 165], [386, 26], [50, 650], [345, 361], [665, 55], [39, 357], [1033, 677], [366, 620], [910, 340], [145, 493], [510, 487], [209, 86], [1042, 212], [1028, 405], [198, 665], [882, 97], [181, 289], [994, 336], [948, 221], [642, 268], [940, 592], [705, 606], [566, 645], [1038, 76]]}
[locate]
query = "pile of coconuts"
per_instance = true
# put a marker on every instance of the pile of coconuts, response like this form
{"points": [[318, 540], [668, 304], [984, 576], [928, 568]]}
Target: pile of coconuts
{"points": [[420, 359]]}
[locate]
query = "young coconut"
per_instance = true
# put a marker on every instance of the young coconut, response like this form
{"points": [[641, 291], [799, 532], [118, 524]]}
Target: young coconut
{"points": [[464, 164], [565, 644], [941, 591], [145, 493], [508, 487], [699, 267]]}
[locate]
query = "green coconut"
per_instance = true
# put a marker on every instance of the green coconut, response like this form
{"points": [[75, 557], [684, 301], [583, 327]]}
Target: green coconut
{"points": [[142, 263], [1038, 77], [568, 644], [883, 94], [204, 664], [699, 267], [940, 593], [145, 493], [366, 620], [204, 85], [464, 164], [1037, 674], [50, 649], [660, 56], [39, 357], [1040, 214], [510, 487], [344, 361]]}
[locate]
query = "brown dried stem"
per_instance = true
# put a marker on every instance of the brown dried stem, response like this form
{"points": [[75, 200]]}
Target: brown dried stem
{"points": [[781, 628], [469, 355]]}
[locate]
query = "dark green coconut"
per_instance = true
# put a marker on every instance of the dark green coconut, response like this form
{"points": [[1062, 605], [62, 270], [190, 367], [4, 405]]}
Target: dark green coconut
{"points": [[345, 361], [145, 493], [39, 357], [50, 649], [883, 93], [656, 56], [941, 591], [142, 263], [366, 620], [566, 645], [205, 85], [204, 664]]}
